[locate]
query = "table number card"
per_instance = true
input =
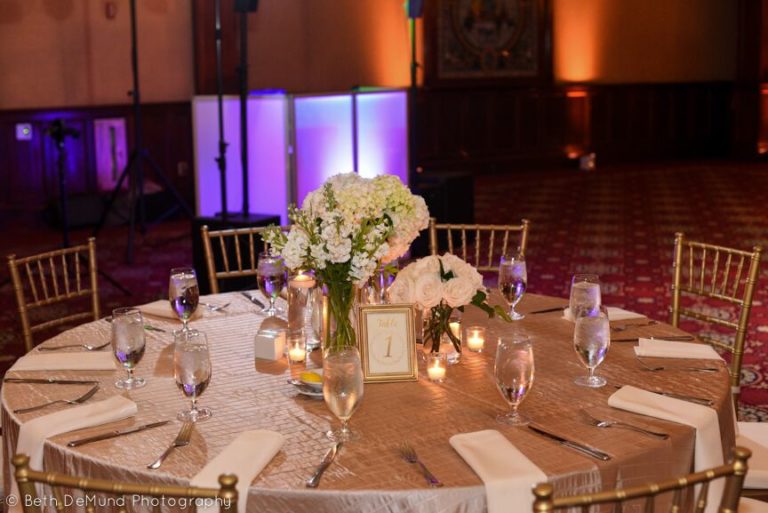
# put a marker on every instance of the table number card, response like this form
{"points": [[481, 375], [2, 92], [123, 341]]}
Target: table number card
{"points": [[387, 343]]}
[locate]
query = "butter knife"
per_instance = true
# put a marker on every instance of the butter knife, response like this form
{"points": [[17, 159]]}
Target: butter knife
{"points": [[116, 433], [313, 481], [690, 398], [670, 338], [547, 310], [49, 381], [589, 451], [253, 299]]}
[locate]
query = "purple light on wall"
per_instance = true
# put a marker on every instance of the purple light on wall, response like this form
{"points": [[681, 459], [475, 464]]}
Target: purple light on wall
{"points": [[382, 129]]}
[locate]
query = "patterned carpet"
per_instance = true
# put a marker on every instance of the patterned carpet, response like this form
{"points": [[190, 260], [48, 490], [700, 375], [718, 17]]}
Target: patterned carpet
{"points": [[618, 222]]}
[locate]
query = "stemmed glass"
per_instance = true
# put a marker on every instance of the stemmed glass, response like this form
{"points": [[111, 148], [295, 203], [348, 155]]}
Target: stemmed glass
{"points": [[270, 276], [342, 389], [591, 340], [585, 295], [128, 344], [513, 279], [514, 373], [183, 293], [192, 370]]}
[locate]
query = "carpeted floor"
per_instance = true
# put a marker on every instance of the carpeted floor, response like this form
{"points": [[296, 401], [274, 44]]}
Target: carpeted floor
{"points": [[618, 222]]}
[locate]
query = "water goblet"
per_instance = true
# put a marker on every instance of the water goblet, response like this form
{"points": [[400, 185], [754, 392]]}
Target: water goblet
{"points": [[192, 371], [513, 279], [514, 372], [183, 293], [591, 340], [342, 389], [585, 295], [128, 344], [270, 277]]}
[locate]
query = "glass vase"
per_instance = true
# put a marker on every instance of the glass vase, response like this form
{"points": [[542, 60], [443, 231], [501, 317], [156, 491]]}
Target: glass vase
{"points": [[339, 330], [438, 336]]}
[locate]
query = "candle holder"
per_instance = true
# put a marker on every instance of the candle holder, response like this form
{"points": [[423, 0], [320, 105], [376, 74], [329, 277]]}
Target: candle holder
{"points": [[437, 367], [296, 347], [475, 339]]}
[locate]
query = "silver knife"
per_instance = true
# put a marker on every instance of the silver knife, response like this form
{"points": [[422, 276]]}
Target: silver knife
{"points": [[253, 299], [50, 381], [589, 451], [313, 481], [116, 433], [671, 338], [692, 399]]}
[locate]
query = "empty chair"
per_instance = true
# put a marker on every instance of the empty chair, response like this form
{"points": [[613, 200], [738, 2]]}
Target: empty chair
{"points": [[47, 279], [113, 495], [482, 245]]}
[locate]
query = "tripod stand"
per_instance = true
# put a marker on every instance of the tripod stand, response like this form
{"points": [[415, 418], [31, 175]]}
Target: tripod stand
{"points": [[135, 167]]}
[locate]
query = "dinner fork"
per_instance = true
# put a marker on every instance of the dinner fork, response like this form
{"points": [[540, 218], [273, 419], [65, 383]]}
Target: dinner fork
{"points": [[182, 439], [661, 367], [90, 393], [408, 453], [87, 347], [215, 308], [616, 423]]}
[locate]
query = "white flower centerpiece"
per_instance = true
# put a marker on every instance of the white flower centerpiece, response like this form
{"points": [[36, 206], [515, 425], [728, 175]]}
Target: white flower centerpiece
{"points": [[344, 231], [442, 283]]}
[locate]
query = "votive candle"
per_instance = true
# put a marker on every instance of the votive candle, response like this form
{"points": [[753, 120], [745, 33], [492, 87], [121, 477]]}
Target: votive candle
{"points": [[455, 327], [476, 339], [436, 367], [297, 349]]}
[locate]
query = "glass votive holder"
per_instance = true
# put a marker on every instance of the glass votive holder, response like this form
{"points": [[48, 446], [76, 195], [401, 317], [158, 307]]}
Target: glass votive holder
{"points": [[296, 347], [437, 366], [455, 325], [475, 340]]}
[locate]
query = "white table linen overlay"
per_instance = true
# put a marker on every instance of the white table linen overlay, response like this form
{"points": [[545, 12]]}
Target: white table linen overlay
{"points": [[507, 473], [667, 349], [79, 361], [33, 434], [245, 457], [708, 450]]}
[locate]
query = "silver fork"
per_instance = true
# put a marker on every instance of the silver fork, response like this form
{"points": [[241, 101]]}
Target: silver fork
{"points": [[90, 393], [633, 325], [215, 308], [87, 347], [616, 423], [181, 440], [661, 367], [409, 454]]}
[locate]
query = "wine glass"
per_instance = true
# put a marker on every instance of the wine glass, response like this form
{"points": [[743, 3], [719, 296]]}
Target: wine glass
{"points": [[342, 389], [585, 295], [183, 293], [192, 370], [514, 373], [591, 340], [270, 276], [513, 279], [128, 344]]}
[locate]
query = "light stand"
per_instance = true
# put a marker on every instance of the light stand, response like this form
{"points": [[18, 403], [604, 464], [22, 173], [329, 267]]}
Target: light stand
{"points": [[244, 7], [415, 10], [136, 161], [221, 160]]}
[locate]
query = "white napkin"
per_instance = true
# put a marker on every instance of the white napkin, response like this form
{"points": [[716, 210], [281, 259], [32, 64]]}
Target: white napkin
{"points": [[754, 436], [246, 456], [667, 349], [708, 451], [80, 361], [614, 314], [32, 434], [508, 475], [162, 308]]}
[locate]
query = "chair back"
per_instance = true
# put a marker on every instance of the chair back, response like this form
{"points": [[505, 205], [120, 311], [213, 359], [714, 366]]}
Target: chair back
{"points": [[114, 495], [718, 273], [232, 253], [482, 245], [46, 279], [644, 497]]}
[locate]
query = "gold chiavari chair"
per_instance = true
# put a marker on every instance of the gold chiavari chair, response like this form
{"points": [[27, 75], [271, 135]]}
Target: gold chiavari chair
{"points": [[232, 253], [115, 495], [725, 275], [47, 279], [643, 498], [482, 245]]}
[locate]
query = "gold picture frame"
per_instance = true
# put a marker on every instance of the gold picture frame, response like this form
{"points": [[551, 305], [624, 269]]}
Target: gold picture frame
{"points": [[387, 342]]}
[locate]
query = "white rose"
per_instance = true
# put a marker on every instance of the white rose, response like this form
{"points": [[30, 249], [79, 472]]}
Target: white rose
{"points": [[429, 290], [459, 292], [403, 290], [428, 265]]}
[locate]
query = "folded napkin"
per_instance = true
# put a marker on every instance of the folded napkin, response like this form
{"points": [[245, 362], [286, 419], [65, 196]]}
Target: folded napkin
{"points": [[667, 349], [508, 475], [754, 436], [614, 314], [91, 361], [162, 308], [708, 451], [245, 457], [32, 434]]}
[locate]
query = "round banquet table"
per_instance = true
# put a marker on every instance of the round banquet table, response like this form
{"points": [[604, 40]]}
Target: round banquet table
{"points": [[368, 474]]}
